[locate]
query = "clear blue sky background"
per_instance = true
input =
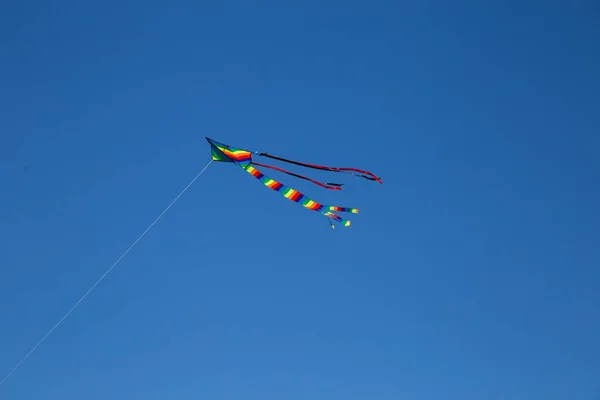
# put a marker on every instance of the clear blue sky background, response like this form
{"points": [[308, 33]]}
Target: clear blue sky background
{"points": [[471, 273]]}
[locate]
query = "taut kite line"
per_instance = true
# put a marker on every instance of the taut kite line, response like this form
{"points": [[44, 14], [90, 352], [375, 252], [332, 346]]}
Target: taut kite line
{"points": [[60, 321], [243, 158]]}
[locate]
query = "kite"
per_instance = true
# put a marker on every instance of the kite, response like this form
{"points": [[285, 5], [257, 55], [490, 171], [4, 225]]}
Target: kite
{"points": [[243, 158]]}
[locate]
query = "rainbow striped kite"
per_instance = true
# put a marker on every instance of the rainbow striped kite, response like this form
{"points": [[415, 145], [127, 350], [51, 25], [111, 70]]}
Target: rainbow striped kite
{"points": [[243, 158]]}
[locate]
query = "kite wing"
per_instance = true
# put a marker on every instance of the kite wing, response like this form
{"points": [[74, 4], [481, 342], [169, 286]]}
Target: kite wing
{"points": [[243, 158]]}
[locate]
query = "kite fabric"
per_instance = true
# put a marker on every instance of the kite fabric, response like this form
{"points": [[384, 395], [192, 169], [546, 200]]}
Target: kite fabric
{"points": [[243, 158]]}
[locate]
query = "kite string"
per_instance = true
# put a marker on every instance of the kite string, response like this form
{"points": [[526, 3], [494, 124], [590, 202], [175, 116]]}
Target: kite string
{"points": [[104, 275]]}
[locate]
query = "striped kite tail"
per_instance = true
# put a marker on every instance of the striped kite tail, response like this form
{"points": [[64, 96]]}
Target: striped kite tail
{"points": [[297, 197]]}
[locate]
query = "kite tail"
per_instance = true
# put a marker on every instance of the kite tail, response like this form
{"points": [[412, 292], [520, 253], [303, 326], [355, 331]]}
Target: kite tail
{"points": [[297, 197], [343, 209], [356, 172], [337, 218], [330, 186]]}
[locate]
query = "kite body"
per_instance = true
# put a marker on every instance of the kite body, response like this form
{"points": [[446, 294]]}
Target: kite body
{"points": [[243, 158]]}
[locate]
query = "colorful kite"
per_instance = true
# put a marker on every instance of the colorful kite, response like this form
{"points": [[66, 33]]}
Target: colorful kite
{"points": [[243, 158]]}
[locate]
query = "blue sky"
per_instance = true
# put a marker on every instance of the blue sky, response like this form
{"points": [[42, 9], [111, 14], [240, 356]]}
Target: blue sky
{"points": [[471, 273]]}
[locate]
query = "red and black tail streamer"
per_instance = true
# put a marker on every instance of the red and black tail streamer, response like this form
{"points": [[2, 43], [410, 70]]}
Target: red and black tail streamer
{"points": [[330, 186], [356, 172]]}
